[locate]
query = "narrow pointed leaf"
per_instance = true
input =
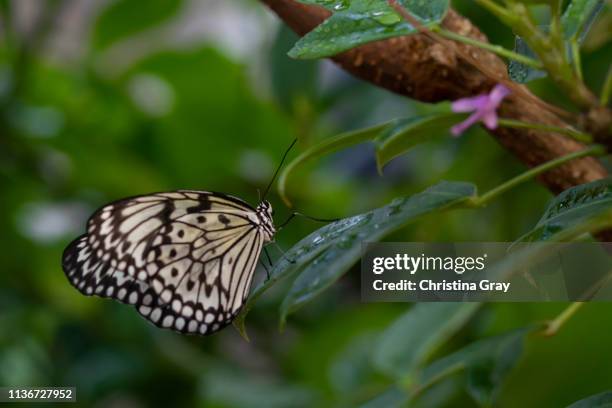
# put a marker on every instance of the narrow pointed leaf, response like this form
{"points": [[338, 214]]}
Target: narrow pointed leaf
{"points": [[575, 23], [401, 136], [391, 139], [324, 267], [300, 255], [326, 147], [486, 363], [578, 17], [520, 72], [571, 208], [401, 211]]}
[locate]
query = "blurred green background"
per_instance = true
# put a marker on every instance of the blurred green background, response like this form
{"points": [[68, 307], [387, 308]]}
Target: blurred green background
{"points": [[105, 99]]}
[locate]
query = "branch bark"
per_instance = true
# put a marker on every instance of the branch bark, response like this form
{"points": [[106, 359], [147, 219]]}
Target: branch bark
{"points": [[416, 67]]}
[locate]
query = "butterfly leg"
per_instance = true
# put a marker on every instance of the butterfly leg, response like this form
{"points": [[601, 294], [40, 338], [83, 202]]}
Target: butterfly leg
{"points": [[291, 261], [269, 261], [267, 271]]}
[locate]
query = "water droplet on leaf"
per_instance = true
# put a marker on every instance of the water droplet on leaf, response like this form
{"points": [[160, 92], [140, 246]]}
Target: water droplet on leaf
{"points": [[386, 17]]}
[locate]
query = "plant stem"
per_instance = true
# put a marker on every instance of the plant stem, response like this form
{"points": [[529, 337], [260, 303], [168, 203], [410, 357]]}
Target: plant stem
{"points": [[555, 25], [551, 51], [607, 88], [574, 134], [497, 49], [553, 326], [575, 47], [519, 90], [595, 150]]}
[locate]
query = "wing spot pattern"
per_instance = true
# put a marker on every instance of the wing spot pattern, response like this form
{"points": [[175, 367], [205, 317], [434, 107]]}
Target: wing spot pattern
{"points": [[184, 259]]}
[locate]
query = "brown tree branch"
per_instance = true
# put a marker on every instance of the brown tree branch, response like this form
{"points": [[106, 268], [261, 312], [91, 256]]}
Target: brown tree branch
{"points": [[416, 67]]}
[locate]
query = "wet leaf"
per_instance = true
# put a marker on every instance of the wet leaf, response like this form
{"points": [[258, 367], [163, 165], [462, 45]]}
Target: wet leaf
{"points": [[327, 253], [300, 254], [571, 208], [326, 267], [358, 22], [520, 72], [334, 5]]}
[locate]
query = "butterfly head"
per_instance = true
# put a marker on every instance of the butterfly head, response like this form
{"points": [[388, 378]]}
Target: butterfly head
{"points": [[265, 213]]}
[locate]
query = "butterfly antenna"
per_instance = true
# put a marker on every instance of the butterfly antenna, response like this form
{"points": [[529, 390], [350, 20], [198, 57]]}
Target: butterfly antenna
{"points": [[278, 169], [294, 214], [297, 214]]}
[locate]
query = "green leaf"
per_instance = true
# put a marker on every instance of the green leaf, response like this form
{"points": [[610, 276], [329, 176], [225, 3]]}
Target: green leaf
{"points": [[602, 400], [334, 5], [128, 17], [392, 398], [571, 208], [404, 134], [409, 342], [577, 211], [520, 72], [486, 362], [322, 269], [364, 21], [524, 256], [578, 17], [391, 138], [321, 149], [344, 237], [575, 23], [299, 255]]}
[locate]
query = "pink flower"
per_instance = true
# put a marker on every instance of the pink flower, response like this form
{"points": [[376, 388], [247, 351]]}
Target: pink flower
{"points": [[484, 107]]}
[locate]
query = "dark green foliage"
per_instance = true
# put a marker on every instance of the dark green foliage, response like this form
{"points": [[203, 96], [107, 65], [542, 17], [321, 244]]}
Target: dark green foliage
{"points": [[81, 129]]}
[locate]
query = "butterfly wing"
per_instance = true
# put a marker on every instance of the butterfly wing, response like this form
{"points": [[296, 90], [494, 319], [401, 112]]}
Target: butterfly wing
{"points": [[184, 259]]}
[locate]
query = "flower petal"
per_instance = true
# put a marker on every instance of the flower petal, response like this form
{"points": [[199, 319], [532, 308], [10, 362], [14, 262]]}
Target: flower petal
{"points": [[497, 95], [470, 104], [459, 128], [490, 119]]}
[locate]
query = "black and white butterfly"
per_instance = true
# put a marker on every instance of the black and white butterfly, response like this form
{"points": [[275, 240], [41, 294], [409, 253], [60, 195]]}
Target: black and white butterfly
{"points": [[184, 259]]}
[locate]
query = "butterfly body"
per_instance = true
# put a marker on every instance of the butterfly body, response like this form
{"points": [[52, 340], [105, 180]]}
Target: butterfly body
{"points": [[184, 259]]}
